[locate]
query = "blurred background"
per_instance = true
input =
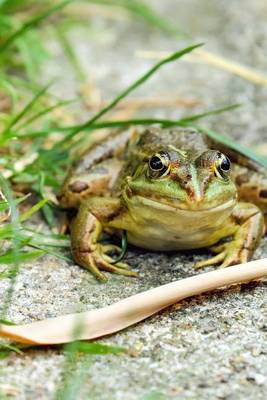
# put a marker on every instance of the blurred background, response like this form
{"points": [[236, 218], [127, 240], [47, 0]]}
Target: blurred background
{"points": [[91, 50]]}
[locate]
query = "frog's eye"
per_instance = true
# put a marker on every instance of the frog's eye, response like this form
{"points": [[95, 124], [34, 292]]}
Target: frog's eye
{"points": [[225, 164], [222, 166], [156, 163], [159, 164]]}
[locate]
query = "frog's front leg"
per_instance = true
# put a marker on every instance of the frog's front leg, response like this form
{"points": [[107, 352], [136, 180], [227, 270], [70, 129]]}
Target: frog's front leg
{"points": [[87, 251], [246, 226]]}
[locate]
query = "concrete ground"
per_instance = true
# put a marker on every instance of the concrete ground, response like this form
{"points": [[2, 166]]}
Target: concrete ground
{"points": [[209, 347]]}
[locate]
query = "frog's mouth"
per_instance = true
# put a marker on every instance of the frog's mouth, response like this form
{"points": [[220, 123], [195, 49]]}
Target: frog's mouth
{"points": [[160, 205]]}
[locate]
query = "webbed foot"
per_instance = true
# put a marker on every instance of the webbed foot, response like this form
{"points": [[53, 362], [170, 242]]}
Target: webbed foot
{"points": [[97, 259], [230, 253], [89, 253], [248, 227]]}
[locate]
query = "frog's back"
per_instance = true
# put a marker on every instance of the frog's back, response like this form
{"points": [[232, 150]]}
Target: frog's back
{"points": [[185, 139]]}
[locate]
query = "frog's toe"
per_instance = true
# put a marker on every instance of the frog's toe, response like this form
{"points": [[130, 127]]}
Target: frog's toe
{"points": [[230, 253], [92, 266], [96, 260], [119, 268], [218, 248], [111, 248], [118, 264], [236, 256], [105, 262], [210, 261]]}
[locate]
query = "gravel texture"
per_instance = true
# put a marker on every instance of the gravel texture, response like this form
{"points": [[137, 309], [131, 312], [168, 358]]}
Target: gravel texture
{"points": [[209, 347]]}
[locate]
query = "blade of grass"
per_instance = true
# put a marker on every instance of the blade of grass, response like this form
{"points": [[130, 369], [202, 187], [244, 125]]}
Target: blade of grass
{"points": [[15, 224], [26, 215], [75, 372], [7, 273], [203, 56], [147, 121], [53, 253], [10, 256], [94, 348], [32, 23], [44, 112], [9, 88], [15, 227], [127, 91], [6, 322], [26, 109], [142, 10], [74, 378], [47, 209], [148, 14], [51, 239], [185, 122], [31, 53], [192, 118], [154, 395], [10, 347], [71, 55], [4, 204]]}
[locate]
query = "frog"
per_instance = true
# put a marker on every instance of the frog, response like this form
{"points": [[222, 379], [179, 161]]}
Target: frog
{"points": [[164, 189]]}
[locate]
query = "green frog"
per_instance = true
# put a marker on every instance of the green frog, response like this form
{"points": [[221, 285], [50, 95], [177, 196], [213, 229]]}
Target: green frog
{"points": [[167, 189]]}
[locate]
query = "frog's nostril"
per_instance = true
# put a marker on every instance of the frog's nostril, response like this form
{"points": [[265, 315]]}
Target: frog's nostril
{"points": [[78, 186]]}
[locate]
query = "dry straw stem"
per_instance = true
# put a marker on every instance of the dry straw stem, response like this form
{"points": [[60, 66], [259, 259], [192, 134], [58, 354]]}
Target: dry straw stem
{"points": [[105, 321], [207, 57]]}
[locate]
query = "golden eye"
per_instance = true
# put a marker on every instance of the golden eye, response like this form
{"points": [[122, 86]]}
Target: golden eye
{"points": [[222, 166]]}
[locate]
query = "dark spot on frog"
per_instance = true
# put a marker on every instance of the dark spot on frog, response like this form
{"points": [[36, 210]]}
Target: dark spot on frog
{"points": [[263, 193], [78, 186]]}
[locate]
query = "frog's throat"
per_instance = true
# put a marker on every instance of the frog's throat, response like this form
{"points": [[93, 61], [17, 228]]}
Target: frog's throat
{"points": [[166, 207]]}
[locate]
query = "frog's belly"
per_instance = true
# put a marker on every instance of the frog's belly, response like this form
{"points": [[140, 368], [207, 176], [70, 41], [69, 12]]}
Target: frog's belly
{"points": [[167, 228]]}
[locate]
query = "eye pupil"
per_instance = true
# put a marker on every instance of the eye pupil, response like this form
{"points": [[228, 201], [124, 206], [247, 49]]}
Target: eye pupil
{"points": [[225, 164], [156, 163]]}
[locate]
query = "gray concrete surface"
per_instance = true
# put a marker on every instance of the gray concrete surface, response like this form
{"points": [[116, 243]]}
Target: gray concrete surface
{"points": [[209, 347]]}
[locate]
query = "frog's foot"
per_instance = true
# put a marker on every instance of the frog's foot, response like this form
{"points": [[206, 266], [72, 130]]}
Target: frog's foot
{"points": [[247, 233], [210, 261], [95, 258], [89, 252], [230, 253]]}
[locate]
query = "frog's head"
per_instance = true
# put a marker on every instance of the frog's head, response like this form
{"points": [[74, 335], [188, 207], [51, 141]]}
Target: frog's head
{"points": [[183, 180]]}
